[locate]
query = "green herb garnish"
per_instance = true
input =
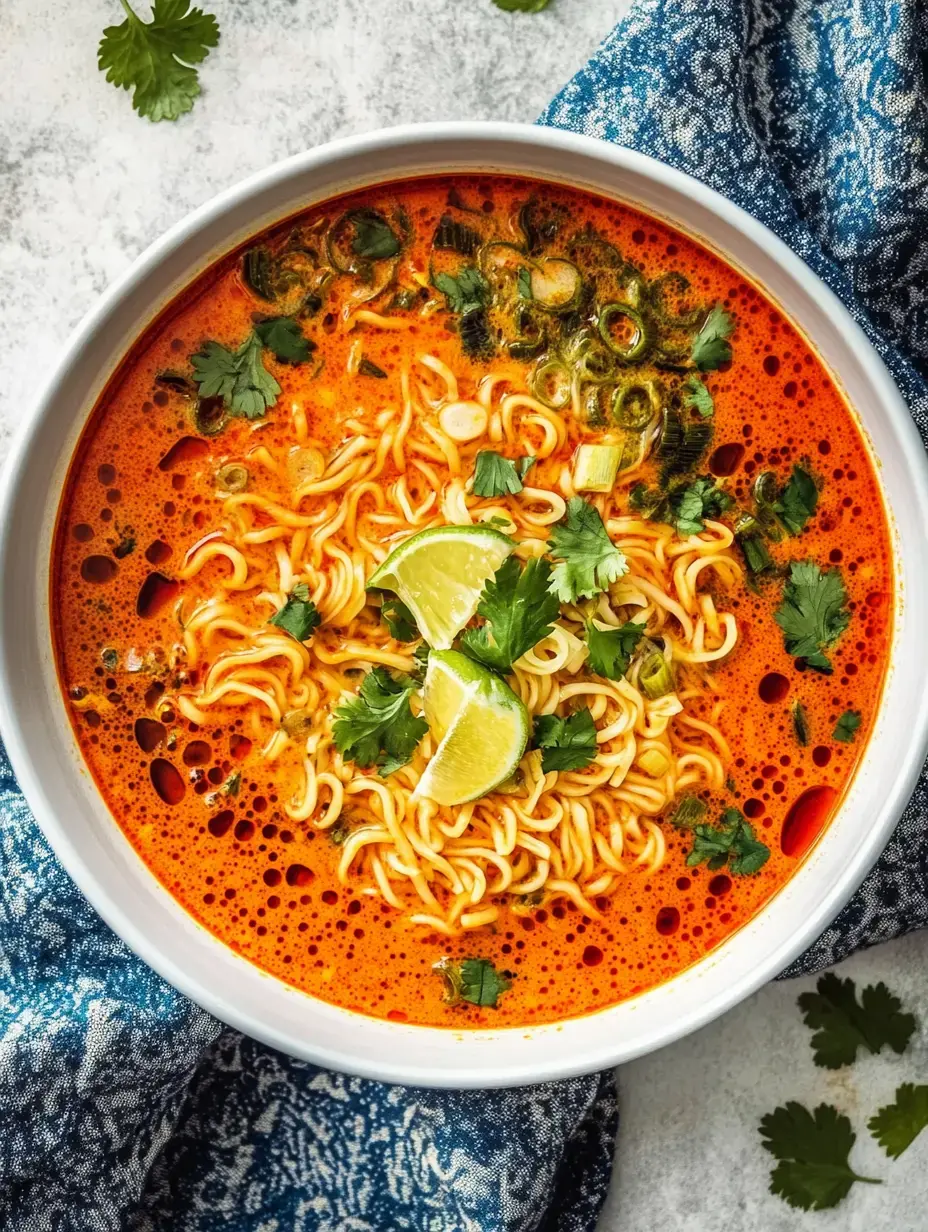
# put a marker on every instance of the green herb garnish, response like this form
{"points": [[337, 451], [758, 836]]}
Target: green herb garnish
{"points": [[519, 610], [399, 619], [154, 59], [688, 813], [298, 616], [238, 377], [588, 560], [732, 842], [373, 238], [566, 744], [813, 1149], [800, 723], [846, 727], [698, 397], [843, 1024], [455, 236], [475, 980], [378, 726], [284, 337], [798, 500], [711, 347], [367, 367], [610, 650], [233, 784], [495, 475], [524, 282], [466, 292], [813, 614], [897, 1125]]}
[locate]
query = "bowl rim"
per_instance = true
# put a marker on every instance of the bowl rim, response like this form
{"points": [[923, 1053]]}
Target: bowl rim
{"points": [[464, 1072]]}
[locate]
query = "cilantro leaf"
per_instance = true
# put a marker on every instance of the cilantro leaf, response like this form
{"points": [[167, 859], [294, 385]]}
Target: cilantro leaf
{"points": [[798, 500], [711, 347], [688, 813], [521, 6], [495, 475], [800, 723], [153, 59], [473, 979], [698, 397], [524, 282], [846, 727], [611, 649], [566, 744], [813, 1150], [298, 616], [238, 377], [519, 609], [684, 505], [399, 619], [897, 1125], [378, 726], [732, 842], [285, 338], [589, 560], [813, 613], [373, 239], [843, 1025], [465, 293]]}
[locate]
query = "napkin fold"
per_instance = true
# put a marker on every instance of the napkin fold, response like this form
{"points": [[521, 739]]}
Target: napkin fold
{"points": [[124, 1106]]}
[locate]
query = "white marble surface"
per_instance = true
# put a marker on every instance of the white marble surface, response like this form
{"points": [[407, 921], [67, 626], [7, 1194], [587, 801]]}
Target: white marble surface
{"points": [[85, 185]]}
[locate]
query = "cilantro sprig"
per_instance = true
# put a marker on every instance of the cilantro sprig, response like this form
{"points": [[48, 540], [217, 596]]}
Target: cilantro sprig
{"points": [[474, 980], [846, 726], [698, 397], [378, 726], [843, 1025], [587, 559], [685, 505], [154, 59], [284, 337], [897, 1125], [495, 475], [568, 743], [238, 377], [813, 1149], [399, 619], [298, 616], [711, 347], [519, 610], [798, 500], [610, 650], [465, 293], [731, 842], [813, 614]]}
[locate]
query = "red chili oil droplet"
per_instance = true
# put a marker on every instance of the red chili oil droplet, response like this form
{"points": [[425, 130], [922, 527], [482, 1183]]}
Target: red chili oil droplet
{"points": [[157, 591], [720, 885], [106, 474], [272, 876], [771, 365], [753, 808], [244, 830], [185, 450], [397, 1016], [98, 569], [668, 921], [821, 755], [592, 956], [330, 897], [149, 734], [167, 781], [82, 532], [726, 459], [157, 552], [299, 875], [773, 688], [219, 825], [805, 819], [239, 747], [197, 753]]}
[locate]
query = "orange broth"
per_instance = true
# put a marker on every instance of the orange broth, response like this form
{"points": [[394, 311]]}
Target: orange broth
{"points": [[136, 500]]}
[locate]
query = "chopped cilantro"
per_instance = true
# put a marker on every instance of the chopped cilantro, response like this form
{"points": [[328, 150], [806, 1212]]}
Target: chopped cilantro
{"points": [[298, 616], [843, 1024], [285, 338], [473, 979], [711, 347], [373, 239], [524, 282], [813, 1149], [684, 505], [378, 726], [495, 475], [566, 744], [688, 813], [233, 784], [846, 727], [588, 560], [798, 500], [465, 293], [519, 610], [800, 723], [399, 619], [813, 613], [154, 59], [897, 1125], [611, 649], [731, 842], [698, 397], [238, 377]]}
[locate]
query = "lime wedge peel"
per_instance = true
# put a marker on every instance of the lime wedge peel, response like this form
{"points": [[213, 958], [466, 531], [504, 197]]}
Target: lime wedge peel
{"points": [[480, 726], [440, 573]]}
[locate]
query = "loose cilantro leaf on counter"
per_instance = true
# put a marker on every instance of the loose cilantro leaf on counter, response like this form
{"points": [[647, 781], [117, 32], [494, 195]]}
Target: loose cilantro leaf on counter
{"points": [[519, 609], [298, 616], [698, 397], [814, 1172], [588, 560], [732, 842], [495, 475], [473, 979], [798, 501], [399, 619], [465, 293], [238, 377], [378, 726], [153, 59], [843, 1025], [846, 727], [813, 613], [285, 338], [897, 1125], [566, 744], [611, 649], [711, 347]]}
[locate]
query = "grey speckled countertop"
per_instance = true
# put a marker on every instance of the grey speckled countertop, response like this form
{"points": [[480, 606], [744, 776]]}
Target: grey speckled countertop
{"points": [[85, 186]]}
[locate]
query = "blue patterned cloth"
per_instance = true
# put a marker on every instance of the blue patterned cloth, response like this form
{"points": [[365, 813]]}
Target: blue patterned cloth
{"points": [[124, 1106]]}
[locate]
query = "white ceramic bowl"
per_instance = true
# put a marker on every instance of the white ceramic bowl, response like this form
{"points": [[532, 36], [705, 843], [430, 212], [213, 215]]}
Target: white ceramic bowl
{"points": [[91, 846]]}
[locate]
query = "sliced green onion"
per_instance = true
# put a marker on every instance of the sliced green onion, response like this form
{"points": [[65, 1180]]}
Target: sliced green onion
{"points": [[209, 416], [551, 383], [634, 405], [672, 284], [233, 477], [638, 344], [751, 543], [655, 676], [596, 466]]}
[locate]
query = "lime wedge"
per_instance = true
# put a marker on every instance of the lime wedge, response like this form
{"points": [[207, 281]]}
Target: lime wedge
{"points": [[439, 574], [480, 725]]}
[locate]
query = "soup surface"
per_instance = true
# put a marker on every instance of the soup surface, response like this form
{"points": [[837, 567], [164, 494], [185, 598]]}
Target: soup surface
{"points": [[554, 751]]}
